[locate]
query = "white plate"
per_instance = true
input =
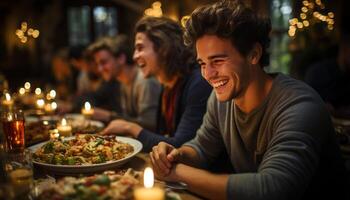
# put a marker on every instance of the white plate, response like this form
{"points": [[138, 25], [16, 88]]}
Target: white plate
{"points": [[92, 168]]}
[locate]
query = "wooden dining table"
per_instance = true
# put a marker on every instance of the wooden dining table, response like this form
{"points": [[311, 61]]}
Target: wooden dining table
{"points": [[139, 162]]}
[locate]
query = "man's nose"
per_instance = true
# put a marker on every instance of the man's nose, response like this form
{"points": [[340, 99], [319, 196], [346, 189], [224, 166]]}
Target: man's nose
{"points": [[135, 55], [210, 71]]}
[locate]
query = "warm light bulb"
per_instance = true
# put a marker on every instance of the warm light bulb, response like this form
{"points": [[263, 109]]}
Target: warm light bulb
{"points": [[148, 178], [306, 3], [35, 33], [184, 20], [156, 4], [300, 25], [304, 9], [24, 26]]}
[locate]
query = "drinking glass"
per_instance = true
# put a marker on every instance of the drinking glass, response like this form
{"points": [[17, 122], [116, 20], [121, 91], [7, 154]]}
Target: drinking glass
{"points": [[19, 173], [13, 128]]}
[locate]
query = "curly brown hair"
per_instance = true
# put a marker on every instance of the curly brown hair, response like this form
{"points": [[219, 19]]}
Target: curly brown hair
{"points": [[230, 20], [167, 37]]}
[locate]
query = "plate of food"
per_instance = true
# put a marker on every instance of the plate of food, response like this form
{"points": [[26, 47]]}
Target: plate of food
{"points": [[82, 154], [108, 185]]}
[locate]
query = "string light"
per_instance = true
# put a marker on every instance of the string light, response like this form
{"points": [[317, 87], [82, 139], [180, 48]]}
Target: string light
{"points": [[311, 12], [184, 20], [24, 32], [155, 10]]}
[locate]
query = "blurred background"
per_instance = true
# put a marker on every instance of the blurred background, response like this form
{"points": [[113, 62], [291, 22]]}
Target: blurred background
{"points": [[35, 32]]}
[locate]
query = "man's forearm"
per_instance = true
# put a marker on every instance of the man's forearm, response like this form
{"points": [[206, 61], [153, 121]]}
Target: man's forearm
{"points": [[189, 156], [197, 181]]}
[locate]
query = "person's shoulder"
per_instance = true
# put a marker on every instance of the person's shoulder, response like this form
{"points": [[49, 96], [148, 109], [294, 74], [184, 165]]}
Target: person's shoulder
{"points": [[289, 92]]}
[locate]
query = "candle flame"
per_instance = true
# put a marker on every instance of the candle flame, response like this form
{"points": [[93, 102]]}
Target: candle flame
{"points": [[87, 106], [37, 91], [148, 177], [64, 122], [22, 91], [27, 85], [8, 97], [53, 105], [52, 94], [40, 102]]}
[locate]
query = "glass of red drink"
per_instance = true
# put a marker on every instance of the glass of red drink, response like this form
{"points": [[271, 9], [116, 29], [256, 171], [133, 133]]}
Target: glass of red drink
{"points": [[13, 128]]}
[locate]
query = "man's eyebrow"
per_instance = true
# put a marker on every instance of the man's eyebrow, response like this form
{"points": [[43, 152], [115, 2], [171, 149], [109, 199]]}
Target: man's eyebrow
{"points": [[214, 56]]}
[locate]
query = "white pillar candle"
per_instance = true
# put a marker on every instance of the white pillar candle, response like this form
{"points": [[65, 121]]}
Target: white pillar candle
{"points": [[64, 129], [148, 192], [87, 110]]}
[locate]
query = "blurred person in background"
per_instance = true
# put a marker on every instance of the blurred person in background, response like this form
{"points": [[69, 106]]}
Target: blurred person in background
{"points": [[138, 96], [160, 52], [85, 82], [331, 79], [64, 75]]}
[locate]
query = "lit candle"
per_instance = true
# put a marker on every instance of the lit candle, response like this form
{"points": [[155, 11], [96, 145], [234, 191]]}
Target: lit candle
{"points": [[51, 95], [40, 103], [64, 129], [50, 107], [87, 111], [148, 192], [7, 101], [21, 91], [27, 86]]}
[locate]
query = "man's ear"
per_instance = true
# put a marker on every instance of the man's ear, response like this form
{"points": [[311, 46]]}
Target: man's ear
{"points": [[255, 54]]}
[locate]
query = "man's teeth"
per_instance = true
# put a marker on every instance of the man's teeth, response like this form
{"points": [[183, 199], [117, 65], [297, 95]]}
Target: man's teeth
{"points": [[219, 83], [141, 65]]}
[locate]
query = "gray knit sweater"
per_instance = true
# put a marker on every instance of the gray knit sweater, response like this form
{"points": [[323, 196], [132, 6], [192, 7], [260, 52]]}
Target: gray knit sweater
{"points": [[279, 150]]}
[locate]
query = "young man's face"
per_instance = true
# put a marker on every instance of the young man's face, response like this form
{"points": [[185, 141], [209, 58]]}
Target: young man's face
{"points": [[145, 56], [226, 70], [107, 64]]}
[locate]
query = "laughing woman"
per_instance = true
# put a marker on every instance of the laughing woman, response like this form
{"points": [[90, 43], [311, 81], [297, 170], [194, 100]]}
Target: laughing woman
{"points": [[160, 52]]}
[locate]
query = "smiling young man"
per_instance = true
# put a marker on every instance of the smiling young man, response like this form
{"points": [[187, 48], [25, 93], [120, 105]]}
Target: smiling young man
{"points": [[138, 96], [276, 130]]}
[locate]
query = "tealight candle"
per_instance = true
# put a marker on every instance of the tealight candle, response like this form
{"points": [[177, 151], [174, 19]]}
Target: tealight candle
{"points": [[21, 91], [64, 129], [40, 103], [50, 107], [7, 101], [51, 95], [148, 192], [27, 86], [87, 111]]}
